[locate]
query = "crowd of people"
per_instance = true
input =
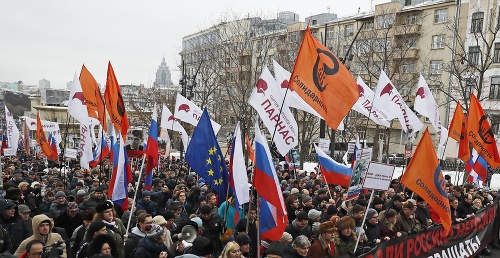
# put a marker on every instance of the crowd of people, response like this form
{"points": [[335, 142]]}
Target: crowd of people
{"points": [[64, 211]]}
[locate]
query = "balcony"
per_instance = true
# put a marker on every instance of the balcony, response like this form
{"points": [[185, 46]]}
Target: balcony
{"points": [[407, 53], [407, 29]]}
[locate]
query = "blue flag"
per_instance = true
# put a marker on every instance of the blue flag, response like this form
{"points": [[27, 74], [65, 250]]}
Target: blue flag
{"points": [[205, 157]]}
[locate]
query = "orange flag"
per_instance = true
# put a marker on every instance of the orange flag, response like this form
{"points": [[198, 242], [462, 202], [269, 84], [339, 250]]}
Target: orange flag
{"points": [[93, 97], [424, 177], [479, 133], [41, 139], [323, 82], [114, 103], [458, 131], [250, 152]]}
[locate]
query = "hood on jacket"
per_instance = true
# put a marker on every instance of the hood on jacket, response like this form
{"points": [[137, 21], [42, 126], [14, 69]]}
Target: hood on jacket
{"points": [[37, 220]]}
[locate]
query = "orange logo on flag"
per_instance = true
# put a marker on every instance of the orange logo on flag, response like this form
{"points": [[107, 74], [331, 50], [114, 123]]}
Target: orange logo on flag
{"points": [[323, 81], [41, 139], [424, 177], [479, 133], [93, 97], [114, 103], [250, 152], [458, 131]]}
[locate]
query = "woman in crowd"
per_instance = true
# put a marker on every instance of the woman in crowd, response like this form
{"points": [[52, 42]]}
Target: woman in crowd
{"points": [[298, 249], [231, 250], [115, 227], [102, 244]]}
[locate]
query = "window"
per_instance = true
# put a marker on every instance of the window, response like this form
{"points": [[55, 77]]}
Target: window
{"points": [[363, 46], [436, 66], [384, 21], [440, 15], [477, 22], [349, 30], [470, 84], [382, 44], [407, 68], [410, 42], [377, 67], [474, 55], [412, 19], [368, 25], [495, 87], [330, 33], [437, 41], [496, 53]]}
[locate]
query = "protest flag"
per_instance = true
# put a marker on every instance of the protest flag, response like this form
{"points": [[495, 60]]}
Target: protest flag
{"points": [[238, 180], [332, 171], [151, 151], [41, 139], [53, 147], [93, 97], [205, 157], [424, 177], [114, 103], [458, 132], [323, 81], [250, 151], [121, 175]]}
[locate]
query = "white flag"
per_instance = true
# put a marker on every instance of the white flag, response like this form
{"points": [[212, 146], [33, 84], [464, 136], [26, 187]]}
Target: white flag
{"points": [[240, 179], [267, 99], [293, 99], [168, 122], [51, 127], [388, 99], [187, 111], [78, 109], [12, 131], [365, 106]]}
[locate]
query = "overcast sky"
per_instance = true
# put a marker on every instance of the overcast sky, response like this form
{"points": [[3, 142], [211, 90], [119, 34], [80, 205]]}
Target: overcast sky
{"points": [[52, 39]]}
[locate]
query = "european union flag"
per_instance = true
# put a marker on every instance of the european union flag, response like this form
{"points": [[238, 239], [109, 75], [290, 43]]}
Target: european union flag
{"points": [[205, 157]]}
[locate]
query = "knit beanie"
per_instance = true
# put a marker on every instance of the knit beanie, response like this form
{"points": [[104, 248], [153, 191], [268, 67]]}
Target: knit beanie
{"points": [[313, 214]]}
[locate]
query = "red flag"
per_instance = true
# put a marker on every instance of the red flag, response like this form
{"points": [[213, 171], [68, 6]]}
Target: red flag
{"points": [[53, 147], [479, 133], [114, 103], [458, 131], [431, 186], [93, 97], [323, 81], [41, 139]]}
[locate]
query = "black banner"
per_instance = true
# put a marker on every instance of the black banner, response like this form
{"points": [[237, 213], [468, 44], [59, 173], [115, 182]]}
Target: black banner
{"points": [[465, 239]]}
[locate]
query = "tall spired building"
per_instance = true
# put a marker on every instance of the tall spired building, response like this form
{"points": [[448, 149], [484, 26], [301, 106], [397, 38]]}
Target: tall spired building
{"points": [[163, 77]]}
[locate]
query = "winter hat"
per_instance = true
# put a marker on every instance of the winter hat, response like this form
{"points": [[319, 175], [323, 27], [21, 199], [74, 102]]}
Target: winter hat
{"points": [[294, 190], [146, 193], [198, 221], [95, 226], [275, 248], [345, 222], [23, 208], [168, 215], [202, 198], [286, 238], [371, 213], [205, 209], [313, 214], [306, 198], [242, 239], [72, 206], [362, 202], [321, 191], [326, 226], [6, 204], [81, 193], [60, 194], [104, 206], [202, 246], [377, 200], [154, 231], [331, 210]]}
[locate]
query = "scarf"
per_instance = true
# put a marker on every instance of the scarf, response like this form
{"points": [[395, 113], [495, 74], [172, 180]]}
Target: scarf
{"points": [[328, 245], [110, 223]]}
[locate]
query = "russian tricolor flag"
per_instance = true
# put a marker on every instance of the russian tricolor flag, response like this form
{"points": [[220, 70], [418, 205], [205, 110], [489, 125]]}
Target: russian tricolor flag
{"points": [[151, 151], [273, 217], [122, 174], [102, 149], [332, 171], [53, 147]]}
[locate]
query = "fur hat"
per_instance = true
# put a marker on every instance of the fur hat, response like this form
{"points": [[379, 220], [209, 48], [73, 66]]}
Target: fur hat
{"points": [[313, 214], [154, 231], [242, 239], [345, 222], [104, 206], [377, 200], [326, 226], [95, 245]]}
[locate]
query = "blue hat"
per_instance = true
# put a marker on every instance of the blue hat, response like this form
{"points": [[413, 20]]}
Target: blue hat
{"points": [[146, 193]]}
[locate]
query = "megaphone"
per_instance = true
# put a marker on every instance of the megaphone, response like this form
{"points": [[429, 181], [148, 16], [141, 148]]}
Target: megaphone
{"points": [[188, 234]]}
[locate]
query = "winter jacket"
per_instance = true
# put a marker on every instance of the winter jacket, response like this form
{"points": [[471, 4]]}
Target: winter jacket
{"points": [[117, 232], [319, 249], [5, 242], [212, 229], [95, 246], [68, 223], [406, 225], [51, 238], [343, 244], [132, 241], [57, 209], [149, 207], [295, 231], [289, 252], [17, 228], [91, 202], [148, 249]]}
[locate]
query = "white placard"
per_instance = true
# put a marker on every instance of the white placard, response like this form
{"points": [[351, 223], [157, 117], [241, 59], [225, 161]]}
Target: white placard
{"points": [[378, 176], [9, 152], [70, 153], [324, 144], [350, 147]]}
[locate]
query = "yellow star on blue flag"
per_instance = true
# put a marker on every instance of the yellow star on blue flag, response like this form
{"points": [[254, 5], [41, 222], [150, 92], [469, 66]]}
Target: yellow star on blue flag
{"points": [[205, 156]]}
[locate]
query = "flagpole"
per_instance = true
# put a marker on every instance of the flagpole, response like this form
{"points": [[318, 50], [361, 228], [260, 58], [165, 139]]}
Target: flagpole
{"points": [[135, 194], [258, 226], [363, 223]]}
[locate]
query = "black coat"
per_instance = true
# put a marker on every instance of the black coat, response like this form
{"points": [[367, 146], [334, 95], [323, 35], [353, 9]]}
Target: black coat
{"points": [[95, 246], [147, 249], [464, 209], [18, 230], [212, 229]]}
